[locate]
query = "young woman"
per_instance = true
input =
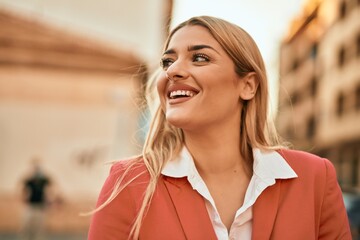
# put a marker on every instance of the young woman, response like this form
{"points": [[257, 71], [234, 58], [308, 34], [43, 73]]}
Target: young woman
{"points": [[212, 167]]}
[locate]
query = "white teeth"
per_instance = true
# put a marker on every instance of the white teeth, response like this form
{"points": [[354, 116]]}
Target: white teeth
{"points": [[181, 93]]}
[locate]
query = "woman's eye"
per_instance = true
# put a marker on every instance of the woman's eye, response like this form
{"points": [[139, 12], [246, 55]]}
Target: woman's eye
{"points": [[166, 62], [200, 58]]}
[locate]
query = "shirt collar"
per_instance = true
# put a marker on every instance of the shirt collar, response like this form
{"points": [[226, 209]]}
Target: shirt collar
{"points": [[268, 165], [271, 165], [181, 166]]}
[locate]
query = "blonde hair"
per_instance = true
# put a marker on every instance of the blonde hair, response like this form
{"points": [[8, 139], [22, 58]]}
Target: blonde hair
{"points": [[165, 141]]}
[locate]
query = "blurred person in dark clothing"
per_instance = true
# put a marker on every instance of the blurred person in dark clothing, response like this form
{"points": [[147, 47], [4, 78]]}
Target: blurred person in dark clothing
{"points": [[35, 195]]}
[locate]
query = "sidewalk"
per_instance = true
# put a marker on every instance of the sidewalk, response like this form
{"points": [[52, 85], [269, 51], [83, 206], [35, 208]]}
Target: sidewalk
{"points": [[13, 236]]}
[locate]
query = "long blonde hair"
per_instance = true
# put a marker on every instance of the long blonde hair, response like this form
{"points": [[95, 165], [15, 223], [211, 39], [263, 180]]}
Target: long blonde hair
{"points": [[165, 141]]}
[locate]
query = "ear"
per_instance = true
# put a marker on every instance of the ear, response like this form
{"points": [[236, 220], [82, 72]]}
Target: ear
{"points": [[248, 86]]}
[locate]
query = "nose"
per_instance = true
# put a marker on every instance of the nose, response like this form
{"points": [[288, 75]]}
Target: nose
{"points": [[177, 71]]}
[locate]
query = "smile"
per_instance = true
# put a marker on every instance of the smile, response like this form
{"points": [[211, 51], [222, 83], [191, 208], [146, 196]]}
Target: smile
{"points": [[181, 93]]}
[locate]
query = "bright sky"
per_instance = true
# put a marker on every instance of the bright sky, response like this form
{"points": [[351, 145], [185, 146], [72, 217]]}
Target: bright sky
{"points": [[266, 21]]}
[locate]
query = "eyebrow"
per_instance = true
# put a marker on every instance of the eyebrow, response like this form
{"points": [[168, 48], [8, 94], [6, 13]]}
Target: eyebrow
{"points": [[191, 48]]}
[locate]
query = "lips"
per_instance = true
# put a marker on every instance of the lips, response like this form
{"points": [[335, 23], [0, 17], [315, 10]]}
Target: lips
{"points": [[175, 91]]}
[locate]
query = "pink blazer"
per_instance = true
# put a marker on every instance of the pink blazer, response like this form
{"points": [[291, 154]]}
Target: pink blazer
{"points": [[304, 208]]}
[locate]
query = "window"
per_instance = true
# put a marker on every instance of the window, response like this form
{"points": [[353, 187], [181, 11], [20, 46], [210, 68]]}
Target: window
{"points": [[355, 167], [313, 86], [341, 56], [311, 127], [340, 105], [342, 9], [347, 167], [357, 98], [340, 171], [295, 65], [314, 50]]}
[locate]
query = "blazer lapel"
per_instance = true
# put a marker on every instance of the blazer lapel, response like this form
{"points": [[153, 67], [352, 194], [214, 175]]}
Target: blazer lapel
{"points": [[190, 208], [264, 212]]}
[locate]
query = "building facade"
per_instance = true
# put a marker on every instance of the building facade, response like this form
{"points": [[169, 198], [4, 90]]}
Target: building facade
{"points": [[319, 101], [73, 101]]}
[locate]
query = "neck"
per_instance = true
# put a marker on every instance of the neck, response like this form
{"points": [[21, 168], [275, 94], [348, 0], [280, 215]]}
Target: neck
{"points": [[215, 151]]}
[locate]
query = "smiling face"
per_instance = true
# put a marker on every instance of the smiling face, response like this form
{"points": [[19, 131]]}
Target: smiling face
{"points": [[199, 87]]}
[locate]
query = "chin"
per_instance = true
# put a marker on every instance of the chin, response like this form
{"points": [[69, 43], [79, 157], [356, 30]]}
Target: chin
{"points": [[177, 121]]}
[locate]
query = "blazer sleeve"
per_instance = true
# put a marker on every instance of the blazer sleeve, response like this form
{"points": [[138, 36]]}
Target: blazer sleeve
{"points": [[333, 219], [115, 220]]}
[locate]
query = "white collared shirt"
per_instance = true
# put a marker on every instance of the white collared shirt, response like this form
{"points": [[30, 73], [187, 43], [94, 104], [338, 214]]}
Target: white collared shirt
{"points": [[268, 166]]}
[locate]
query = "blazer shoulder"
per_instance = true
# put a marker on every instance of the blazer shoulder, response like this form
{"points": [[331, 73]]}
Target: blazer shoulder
{"points": [[129, 173], [302, 161], [131, 168], [119, 200], [302, 156]]}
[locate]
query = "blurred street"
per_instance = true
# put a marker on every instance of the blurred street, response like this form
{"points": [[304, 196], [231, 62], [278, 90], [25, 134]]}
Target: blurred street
{"points": [[13, 236]]}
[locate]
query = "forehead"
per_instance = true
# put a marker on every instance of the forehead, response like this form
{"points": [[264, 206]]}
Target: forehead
{"points": [[192, 35]]}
